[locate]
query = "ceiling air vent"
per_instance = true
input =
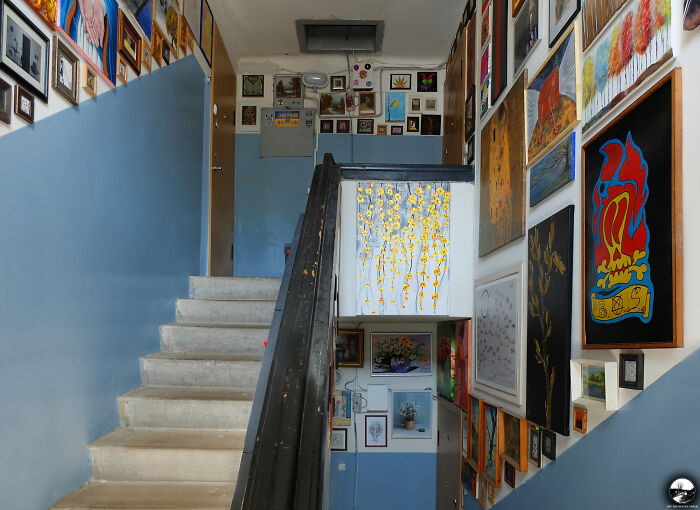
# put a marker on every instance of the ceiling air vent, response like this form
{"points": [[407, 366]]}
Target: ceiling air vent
{"points": [[340, 36]]}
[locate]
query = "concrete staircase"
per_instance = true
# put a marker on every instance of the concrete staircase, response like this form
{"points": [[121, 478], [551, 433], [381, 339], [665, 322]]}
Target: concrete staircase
{"points": [[178, 445]]}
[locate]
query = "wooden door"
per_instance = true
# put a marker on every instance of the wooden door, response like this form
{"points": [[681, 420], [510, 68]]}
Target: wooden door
{"points": [[449, 450], [223, 153], [453, 137]]}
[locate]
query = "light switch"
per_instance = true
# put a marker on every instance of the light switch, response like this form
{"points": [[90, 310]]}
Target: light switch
{"points": [[341, 467]]}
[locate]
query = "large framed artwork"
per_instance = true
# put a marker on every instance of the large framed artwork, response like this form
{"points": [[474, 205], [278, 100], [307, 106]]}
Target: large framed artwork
{"points": [[24, 50], [499, 47], [596, 14], [502, 176], [492, 447], [166, 16], [553, 104], [627, 52], [349, 347], [417, 281], [130, 43], [556, 169], [446, 348], [498, 335], [526, 34], [142, 10], [411, 414], [549, 281], [395, 106], [463, 341], [192, 11], [98, 43], [561, 12], [401, 353], [632, 226]]}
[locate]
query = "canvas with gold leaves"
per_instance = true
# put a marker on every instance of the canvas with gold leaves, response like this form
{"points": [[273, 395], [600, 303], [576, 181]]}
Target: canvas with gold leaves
{"points": [[46, 9]]}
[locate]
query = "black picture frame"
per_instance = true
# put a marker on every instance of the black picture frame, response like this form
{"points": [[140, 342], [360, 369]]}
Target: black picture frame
{"points": [[5, 102], [549, 444], [499, 49], [431, 124], [326, 126], [41, 93], [565, 25], [342, 126], [412, 124], [509, 474], [253, 85], [338, 83], [20, 95], [534, 445], [344, 432], [631, 378]]}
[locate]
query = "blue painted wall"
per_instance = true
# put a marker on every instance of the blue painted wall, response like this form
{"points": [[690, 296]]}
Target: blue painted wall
{"points": [[401, 481], [271, 192], [101, 208]]}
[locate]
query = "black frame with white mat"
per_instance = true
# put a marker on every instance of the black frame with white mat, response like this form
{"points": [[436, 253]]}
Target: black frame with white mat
{"points": [[631, 371]]}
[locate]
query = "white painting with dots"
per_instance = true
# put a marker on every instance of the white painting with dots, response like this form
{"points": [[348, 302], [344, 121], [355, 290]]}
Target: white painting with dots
{"points": [[403, 246]]}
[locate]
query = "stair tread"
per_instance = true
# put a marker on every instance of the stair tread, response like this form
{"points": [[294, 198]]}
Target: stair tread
{"points": [[267, 279], [150, 496], [161, 438], [223, 325], [190, 393], [196, 356], [224, 302]]}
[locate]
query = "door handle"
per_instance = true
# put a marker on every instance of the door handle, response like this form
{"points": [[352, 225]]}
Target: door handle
{"points": [[218, 169]]}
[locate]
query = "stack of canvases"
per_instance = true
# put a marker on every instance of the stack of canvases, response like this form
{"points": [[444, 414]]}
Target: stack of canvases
{"points": [[629, 218], [111, 39]]}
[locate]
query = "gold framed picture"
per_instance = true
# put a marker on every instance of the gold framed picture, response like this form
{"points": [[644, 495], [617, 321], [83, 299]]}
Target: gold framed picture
{"points": [[89, 80], [381, 129], [122, 69], [146, 56], [367, 104], [65, 71]]}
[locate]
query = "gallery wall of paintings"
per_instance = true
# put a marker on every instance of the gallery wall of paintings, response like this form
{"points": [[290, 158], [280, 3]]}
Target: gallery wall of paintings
{"points": [[51, 61]]}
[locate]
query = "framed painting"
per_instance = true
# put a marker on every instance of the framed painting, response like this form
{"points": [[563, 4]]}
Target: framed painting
{"points": [[250, 116], [492, 448], [183, 35], [486, 26], [499, 48], [288, 86], [549, 444], [485, 102], [326, 126], [556, 169], [474, 443], [517, 5], [338, 83], [513, 439], [526, 34], [534, 445], [165, 51], [349, 346], [382, 129], [400, 82], [25, 51], [430, 104], [146, 56], [415, 104], [5, 102], [65, 74], [397, 130], [100, 48], [498, 335], [631, 368], [395, 107], [509, 474], [342, 126], [632, 234], [471, 53], [157, 46], [552, 97], [46, 10], [446, 348], [469, 114], [367, 103], [129, 43], [166, 16], [339, 440], [427, 81], [365, 126], [463, 347], [595, 381], [580, 419], [411, 414], [342, 409], [253, 85], [332, 103], [412, 124], [89, 80], [122, 69], [401, 354], [206, 32], [691, 14], [142, 11], [502, 176], [24, 105], [561, 13], [192, 11], [430, 124], [596, 15], [624, 56], [375, 431], [549, 294]]}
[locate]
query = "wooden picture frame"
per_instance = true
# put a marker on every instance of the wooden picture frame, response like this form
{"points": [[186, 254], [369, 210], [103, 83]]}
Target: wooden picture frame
{"points": [[491, 446], [474, 434], [517, 5], [549, 444], [580, 419], [512, 432], [631, 369], [382, 129], [509, 474], [146, 56], [5, 102], [24, 104], [642, 325], [365, 126], [367, 103], [157, 46], [162, 9], [339, 83], [376, 438], [351, 344], [534, 445], [482, 491], [129, 44], [183, 34], [89, 80], [122, 69], [65, 71], [338, 437]]}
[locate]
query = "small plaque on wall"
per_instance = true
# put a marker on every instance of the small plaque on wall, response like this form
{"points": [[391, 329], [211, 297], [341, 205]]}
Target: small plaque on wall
{"points": [[377, 397]]}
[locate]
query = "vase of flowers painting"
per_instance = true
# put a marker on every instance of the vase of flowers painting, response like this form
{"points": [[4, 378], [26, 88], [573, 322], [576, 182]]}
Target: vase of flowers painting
{"points": [[408, 411]]}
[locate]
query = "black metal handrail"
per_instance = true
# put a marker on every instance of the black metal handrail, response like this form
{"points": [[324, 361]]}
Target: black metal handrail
{"points": [[286, 449]]}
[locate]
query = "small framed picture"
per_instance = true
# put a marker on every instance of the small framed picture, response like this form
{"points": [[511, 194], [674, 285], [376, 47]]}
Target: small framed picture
{"points": [[430, 124], [89, 80], [375, 431], [631, 370], [289, 86], [129, 43], [595, 381], [580, 419], [509, 474], [415, 104], [396, 130], [5, 102], [430, 104], [146, 56], [339, 440], [66, 71], [382, 129], [513, 434], [183, 35], [338, 83], [253, 85], [469, 115], [332, 103], [250, 117], [367, 103], [427, 81], [491, 492], [470, 150], [122, 71], [482, 491], [165, 53], [412, 124], [342, 408], [349, 343], [326, 125], [400, 82], [549, 444], [157, 46], [534, 448], [24, 104], [365, 126], [342, 126]]}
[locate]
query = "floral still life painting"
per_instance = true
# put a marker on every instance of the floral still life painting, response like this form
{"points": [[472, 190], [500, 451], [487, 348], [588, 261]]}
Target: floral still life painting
{"points": [[401, 353], [412, 411]]}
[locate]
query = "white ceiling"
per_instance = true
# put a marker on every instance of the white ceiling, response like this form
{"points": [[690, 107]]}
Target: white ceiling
{"points": [[414, 29]]}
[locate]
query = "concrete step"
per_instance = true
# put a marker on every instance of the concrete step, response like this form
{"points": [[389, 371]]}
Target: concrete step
{"points": [[183, 407], [202, 311], [208, 370], [149, 496], [234, 288], [159, 454], [224, 339]]}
